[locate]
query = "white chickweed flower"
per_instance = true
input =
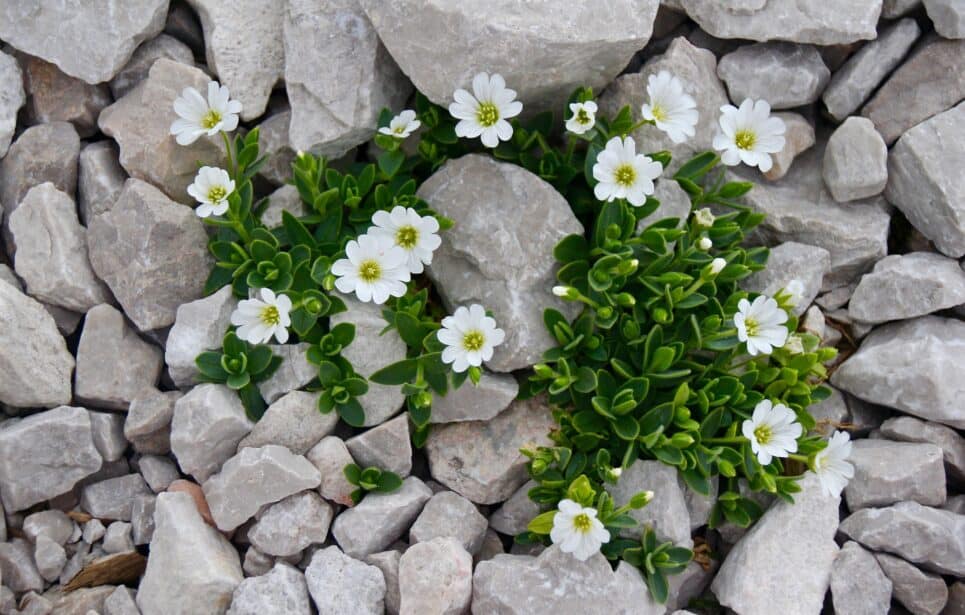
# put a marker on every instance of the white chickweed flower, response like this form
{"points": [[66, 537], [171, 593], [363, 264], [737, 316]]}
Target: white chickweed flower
{"points": [[704, 243], [211, 189], [577, 530], [260, 319], [415, 234], [749, 134], [484, 112], [773, 431], [761, 325], [624, 174], [670, 108], [402, 125], [717, 265], [584, 117], [374, 269], [198, 117], [832, 466], [470, 337], [561, 291], [794, 291], [704, 217]]}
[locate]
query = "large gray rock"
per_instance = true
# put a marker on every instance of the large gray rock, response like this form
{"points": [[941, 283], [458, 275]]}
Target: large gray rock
{"points": [[207, 425], [903, 286], [667, 512], [54, 524], [158, 472], [388, 446], [285, 198], [922, 179], [448, 514], [909, 429], [281, 591], [53, 96], [435, 577], [148, 423], [513, 272], [111, 499], [108, 433], [137, 69], [17, 567], [480, 460], [920, 592], [198, 326], [858, 77], [88, 40], [294, 372], [100, 179], [886, 472], [388, 563], [380, 518], [479, 402], [192, 568], [11, 99], [274, 143], [910, 366], [948, 17], [330, 456], [516, 512], [35, 366], [341, 584], [858, 586], [792, 261], [786, 75], [932, 537], [783, 564], [855, 161], [291, 525], [49, 557], [293, 421], [338, 77], [152, 254]]}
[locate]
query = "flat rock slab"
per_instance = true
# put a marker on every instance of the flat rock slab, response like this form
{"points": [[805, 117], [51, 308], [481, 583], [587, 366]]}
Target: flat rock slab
{"points": [[435, 577], [910, 429], [886, 472], [667, 512], [855, 161], [341, 584], [281, 591], [858, 585], [380, 518], [786, 75], [206, 427], [294, 422], [921, 592], [198, 326], [903, 286], [479, 402]]}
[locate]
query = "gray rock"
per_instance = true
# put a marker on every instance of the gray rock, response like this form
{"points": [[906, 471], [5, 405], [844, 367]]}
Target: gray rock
{"points": [[142, 519], [786, 75], [369, 352], [909, 429], [107, 430], [53, 96], [330, 456], [909, 366], [121, 602], [273, 142], [199, 325], [886, 472], [798, 137], [117, 538], [516, 512], [111, 499], [137, 68], [922, 182], [148, 423], [858, 77], [480, 460], [380, 518], [955, 504], [513, 273], [53, 524], [291, 525], [49, 29], [481, 402], [192, 568], [956, 599], [448, 514], [100, 179], [44, 455], [932, 537], [281, 591], [93, 531], [388, 563], [7, 599], [283, 199], [11, 99], [930, 81], [292, 421], [833, 410], [256, 563], [920, 592], [908, 285], [858, 586], [896, 8], [698, 505], [17, 567], [158, 472], [140, 122], [341, 584], [255, 477], [855, 161], [49, 557], [152, 254], [783, 564], [435, 577], [948, 17], [294, 372], [667, 512], [114, 365], [674, 203], [207, 425], [792, 261], [689, 584], [388, 446]]}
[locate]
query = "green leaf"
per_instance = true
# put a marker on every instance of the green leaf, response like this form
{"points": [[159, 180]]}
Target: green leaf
{"points": [[572, 248], [391, 162], [396, 373], [253, 402], [388, 482], [353, 473], [209, 365], [343, 333], [659, 588], [542, 524], [351, 412]]}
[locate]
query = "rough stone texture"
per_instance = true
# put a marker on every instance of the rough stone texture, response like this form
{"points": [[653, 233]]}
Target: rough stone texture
{"points": [[674, 203], [50, 29], [929, 82], [858, 586], [142, 519], [148, 423], [111, 499], [293, 421], [192, 568], [388, 563], [273, 142], [294, 372], [909, 429], [956, 599], [93, 531], [783, 564], [527, 585], [910, 366], [342, 79], [198, 326], [481, 402], [896, 8], [291, 525], [140, 122], [480, 460], [798, 137], [932, 537], [44, 455], [35, 366], [667, 513], [107, 429], [136, 70], [908, 285], [283, 199], [282, 591], [100, 179], [792, 261], [17, 567], [448, 514], [117, 538], [11, 99], [152, 254], [370, 352], [886, 472], [948, 17], [330, 456], [49, 557], [206, 427], [855, 161], [516, 512], [158, 472], [380, 518], [255, 477], [388, 446], [121, 602], [858, 77], [53, 96], [923, 181], [689, 584], [114, 365], [513, 272], [53, 524], [786, 75], [340, 584], [920, 592], [435, 577]]}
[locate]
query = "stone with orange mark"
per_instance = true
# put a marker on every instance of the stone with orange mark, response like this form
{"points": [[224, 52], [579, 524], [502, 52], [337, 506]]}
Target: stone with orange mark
{"points": [[200, 502]]}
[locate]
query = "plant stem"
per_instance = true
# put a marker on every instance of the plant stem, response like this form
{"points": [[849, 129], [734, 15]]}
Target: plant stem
{"points": [[227, 151], [731, 440]]}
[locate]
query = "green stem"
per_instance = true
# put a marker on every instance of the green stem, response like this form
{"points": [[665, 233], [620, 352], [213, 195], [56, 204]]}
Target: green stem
{"points": [[227, 150], [731, 440], [802, 458], [570, 148]]}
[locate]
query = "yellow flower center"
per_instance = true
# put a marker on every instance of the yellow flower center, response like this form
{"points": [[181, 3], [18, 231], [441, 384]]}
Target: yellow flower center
{"points": [[217, 194], [370, 271], [752, 327], [487, 115], [270, 315], [658, 113], [745, 139], [625, 175], [210, 119], [582, 523], [398, 130], [407, 237], [763, 434], [473, 341], [582, 117]]}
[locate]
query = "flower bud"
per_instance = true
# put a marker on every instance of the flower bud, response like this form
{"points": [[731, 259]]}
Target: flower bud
{"points": [[328, 282], [704, 217], [681, 440], [605, 312], [423, 400], [561, 291], [717, 265], [704, 243], [625, 300], [794, 345], [617, 472]]}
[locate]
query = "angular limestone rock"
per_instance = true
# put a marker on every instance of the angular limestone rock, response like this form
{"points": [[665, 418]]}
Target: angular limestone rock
{"points": [[792, 261], [136, 70], [100, 179], [448, 514], [293, 421], [435, 577], [786, 75], [330, 456], [387, 446], [667, 513], [11, 99], [855, 161], [198, 326], [479, 402], [886, 472], [206, 427], [858, 585], [921, 592], [341, 584], [903, 286], [291, 525], [380, 518], [910, 429], [281, 591]]}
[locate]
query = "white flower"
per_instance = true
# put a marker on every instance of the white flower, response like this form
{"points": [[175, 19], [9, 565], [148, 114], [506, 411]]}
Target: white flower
{"points": [[258, 320], [749, 134], [761, 325], [624, 174], [704, 243], [794, 291], [211, 189], [794, 345], [402, 125], [470, 337], [204, 117], [484, 112], [375, 269], [561, 291], [773, 431], [415, 234], [577, 530], [831, 464], [717, 265], [670, 108], [704, 217], [584, 117]]}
